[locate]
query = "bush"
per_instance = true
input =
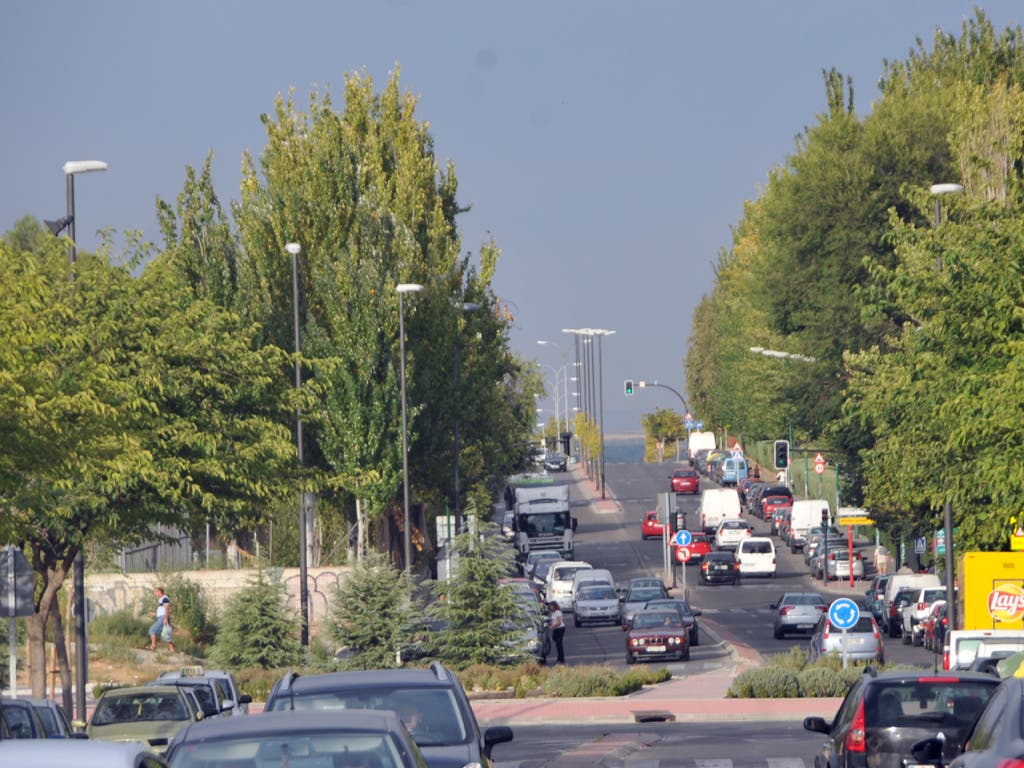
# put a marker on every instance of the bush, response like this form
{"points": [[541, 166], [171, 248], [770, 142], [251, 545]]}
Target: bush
{"points": [[120, 627], [822, 681], [765, 683], [794, 660], [190, 610]]}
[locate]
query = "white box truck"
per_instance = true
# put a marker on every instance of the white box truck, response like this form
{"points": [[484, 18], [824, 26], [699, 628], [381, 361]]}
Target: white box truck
{"points": [[698, 441], [542, 519], [716, 505]]}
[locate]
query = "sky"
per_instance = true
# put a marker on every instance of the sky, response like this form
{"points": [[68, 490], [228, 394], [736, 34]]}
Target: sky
{"points": [[607, 147]]}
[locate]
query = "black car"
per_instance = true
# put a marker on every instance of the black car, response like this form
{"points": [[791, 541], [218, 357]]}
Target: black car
{"points": [[688, 615], [720, 567], [349, 737], [998, 732], [885, 714], [446, 730], [894, 619], [555, 462], [21, 719]]}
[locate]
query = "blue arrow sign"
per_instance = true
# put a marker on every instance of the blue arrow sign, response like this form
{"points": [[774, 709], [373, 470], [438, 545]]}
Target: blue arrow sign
{"points": [[843, 613], [682, 538]]}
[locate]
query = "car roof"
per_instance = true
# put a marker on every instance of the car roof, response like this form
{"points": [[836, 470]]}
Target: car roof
{"points": [[285, 720], [436, 677], [719, 554], [79, 752]]}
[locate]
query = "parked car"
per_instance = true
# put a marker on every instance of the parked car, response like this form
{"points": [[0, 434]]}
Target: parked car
{"points": [[656, 634], [861, 642], [651, 526], [797, 612], [451, 735], [555, 461], [21, 719], [996, 737], [884, 714], [223, 676], [720, 567], [876, 595], [596, 603], [772, 498], [296, 739], [55, 722], [688, 615], [559, 581], [816, 537], [534, 556], [80, 753], [636, 598], [148, 714], [213, 694], [685, 480], [893, 619], [780, 518], [916, 611]]}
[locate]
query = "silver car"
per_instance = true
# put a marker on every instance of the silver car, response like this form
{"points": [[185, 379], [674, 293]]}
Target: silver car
{"points": [[596, 603], [797, 612], [841, 566], [862, 642]]}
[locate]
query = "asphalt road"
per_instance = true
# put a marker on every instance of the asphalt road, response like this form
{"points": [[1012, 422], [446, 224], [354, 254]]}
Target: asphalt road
{"points": [[609, 537]]}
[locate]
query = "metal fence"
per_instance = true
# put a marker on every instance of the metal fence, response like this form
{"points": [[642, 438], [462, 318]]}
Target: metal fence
{"points": [[174, 553]]}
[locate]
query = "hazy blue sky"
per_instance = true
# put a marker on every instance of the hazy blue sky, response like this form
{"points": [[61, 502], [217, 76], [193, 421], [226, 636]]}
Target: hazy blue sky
{"points": [[607, 146]]}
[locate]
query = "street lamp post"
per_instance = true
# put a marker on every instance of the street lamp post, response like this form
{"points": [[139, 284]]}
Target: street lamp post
{"points": [[938, 190], [404, 288], [465, 306], [71, 168], [294, 249]]}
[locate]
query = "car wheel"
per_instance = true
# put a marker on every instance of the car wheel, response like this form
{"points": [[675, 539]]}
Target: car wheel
{"points": [[575, 621], [904, 637], [630, 659], [779, 633], [685, 656], [695, 640]]}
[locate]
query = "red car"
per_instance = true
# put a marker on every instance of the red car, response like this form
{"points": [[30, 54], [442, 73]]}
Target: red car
{"points": [[699, 548], [657, 634], [771, 503], [685, 481], [651, 526]]}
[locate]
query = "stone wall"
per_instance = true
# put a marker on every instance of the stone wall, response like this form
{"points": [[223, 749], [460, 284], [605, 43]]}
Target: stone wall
{"points": [[109, 592]]}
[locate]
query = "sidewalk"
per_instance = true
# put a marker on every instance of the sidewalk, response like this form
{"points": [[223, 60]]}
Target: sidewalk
{"points": [[696, 697]]}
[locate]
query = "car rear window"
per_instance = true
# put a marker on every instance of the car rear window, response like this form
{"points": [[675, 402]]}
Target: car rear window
{"points": [[803, 600], [757, 547], [938, 703]]}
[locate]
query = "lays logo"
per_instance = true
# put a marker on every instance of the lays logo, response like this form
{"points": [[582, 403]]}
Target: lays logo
{"points": [[1006, 602]]}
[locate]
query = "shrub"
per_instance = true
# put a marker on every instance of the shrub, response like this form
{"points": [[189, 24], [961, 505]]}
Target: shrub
{"points": [[257, 630], [190, 610], [765, 683], [794, 660], [119, 628], [822, 681]]}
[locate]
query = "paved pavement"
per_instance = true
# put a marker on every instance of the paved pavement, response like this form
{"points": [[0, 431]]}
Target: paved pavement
{"points": [[692, 697]]}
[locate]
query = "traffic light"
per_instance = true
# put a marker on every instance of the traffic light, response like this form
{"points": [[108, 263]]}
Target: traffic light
{"points": [[824, 517], [629, 387], [782, 454]]}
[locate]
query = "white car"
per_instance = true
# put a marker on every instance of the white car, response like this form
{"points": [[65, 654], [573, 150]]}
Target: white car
{"points": [[559, 584], [756, 556], [60, 753], [916, 612], [730, 533]]}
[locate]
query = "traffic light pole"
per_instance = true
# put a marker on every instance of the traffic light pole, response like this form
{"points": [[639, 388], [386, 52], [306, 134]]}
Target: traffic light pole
{"points": [[644, 384]]}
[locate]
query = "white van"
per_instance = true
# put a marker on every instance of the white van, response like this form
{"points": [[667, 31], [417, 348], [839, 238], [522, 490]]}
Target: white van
{"points": [[700, 441], [559, 583], [588, 576], [756, 555], [805, 515], [716, 505], [898, 581], [963, 646]]}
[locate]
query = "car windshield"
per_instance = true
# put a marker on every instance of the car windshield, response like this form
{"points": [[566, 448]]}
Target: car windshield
{"points": [[439, 713], [566, 572], [598, 593], [643, 594], [651, 620], [680, 606], [140, 707], [339, 748]]}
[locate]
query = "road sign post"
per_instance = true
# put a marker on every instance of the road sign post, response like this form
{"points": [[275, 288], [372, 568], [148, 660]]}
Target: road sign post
{"points": [[844, 614], [17, 593]]}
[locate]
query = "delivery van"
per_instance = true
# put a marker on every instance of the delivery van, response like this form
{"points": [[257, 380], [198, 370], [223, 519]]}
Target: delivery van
{"points": [[963, 646], [716, 505], [732, 470], [700, 441], [805, 515], [756, 555]]}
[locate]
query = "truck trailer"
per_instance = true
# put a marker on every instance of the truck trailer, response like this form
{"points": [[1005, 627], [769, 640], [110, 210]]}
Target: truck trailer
{"points": [[542, 515]]}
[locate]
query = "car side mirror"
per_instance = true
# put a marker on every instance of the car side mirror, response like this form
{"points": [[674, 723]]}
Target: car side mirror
{"points": [[816, 724], [245, 698], [697, 612]]}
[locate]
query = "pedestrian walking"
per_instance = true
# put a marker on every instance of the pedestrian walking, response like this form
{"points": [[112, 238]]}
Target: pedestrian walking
{"points": [[557, 630], [161, 629]]}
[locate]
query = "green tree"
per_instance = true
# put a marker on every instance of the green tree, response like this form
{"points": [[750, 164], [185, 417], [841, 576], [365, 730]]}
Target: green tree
{"points": [[480, 619], [257, 632], [372, 613], [662, 426]]}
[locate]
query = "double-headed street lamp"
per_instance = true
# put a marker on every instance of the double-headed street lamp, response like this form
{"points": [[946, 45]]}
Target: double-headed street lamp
{"points": [[71, 168], [589, 334], [404, 288], [938, 190]]}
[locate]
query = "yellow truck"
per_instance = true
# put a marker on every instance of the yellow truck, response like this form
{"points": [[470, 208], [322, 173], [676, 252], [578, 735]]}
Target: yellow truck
{"points": [[991, 590]]}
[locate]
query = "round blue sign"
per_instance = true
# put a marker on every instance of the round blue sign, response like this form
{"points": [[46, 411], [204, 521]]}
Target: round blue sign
{"points": [[682, 538], [843, 613]]}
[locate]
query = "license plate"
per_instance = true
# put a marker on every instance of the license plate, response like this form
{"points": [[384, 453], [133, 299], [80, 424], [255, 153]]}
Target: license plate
{"points": [[805, 626], [655, 648]]}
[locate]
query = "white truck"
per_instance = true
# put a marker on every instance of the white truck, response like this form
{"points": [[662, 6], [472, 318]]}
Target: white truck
{"points": [[805, 515], [543, 518], [698, 441]]}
